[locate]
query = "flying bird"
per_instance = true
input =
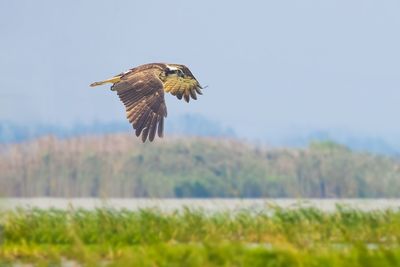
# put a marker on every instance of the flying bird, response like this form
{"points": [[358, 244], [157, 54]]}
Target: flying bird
{"points": [[141, 90]]}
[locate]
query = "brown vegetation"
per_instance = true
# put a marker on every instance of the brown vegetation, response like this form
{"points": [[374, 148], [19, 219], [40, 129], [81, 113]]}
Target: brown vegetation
{"points": [[120, 166]]}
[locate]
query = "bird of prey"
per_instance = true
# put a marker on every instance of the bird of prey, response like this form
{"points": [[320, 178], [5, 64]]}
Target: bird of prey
{"points": [[141, 89]]}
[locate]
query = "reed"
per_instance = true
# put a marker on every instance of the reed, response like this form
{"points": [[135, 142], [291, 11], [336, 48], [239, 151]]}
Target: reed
{"points": [[150, 237]]}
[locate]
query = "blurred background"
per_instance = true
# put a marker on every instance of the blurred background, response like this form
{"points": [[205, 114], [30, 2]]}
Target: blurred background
{"points": [[302, 99]]}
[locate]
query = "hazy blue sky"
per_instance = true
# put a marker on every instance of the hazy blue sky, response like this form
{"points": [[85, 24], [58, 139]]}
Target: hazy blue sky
{"points": [[270, 65]]}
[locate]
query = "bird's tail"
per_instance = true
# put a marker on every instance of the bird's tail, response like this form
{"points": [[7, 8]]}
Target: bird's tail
{"points": [[111, 80]]}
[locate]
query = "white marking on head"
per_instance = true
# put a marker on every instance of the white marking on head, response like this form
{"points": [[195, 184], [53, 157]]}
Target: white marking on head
{"points": [[172, 67]]}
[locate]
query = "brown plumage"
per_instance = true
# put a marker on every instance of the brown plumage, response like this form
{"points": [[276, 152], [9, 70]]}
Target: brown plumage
{"points": [[141, 90]]}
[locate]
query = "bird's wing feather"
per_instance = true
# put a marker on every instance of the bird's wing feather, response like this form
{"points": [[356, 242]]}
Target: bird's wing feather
{"points": [[182, 87], [143, 96]]}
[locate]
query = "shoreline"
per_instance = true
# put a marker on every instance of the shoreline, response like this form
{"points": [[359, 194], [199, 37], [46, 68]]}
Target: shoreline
{"points": [[211, 204]]}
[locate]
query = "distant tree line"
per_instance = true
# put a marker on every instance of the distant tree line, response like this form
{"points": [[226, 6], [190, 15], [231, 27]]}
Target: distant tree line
{"points": [[118, 165], [188, 125]]}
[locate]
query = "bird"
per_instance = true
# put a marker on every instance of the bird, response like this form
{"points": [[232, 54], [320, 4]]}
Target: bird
{"points": [[141, 90]]}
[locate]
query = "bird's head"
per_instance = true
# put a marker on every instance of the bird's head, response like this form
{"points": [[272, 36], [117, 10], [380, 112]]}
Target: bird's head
{"points": [[178, 70]]}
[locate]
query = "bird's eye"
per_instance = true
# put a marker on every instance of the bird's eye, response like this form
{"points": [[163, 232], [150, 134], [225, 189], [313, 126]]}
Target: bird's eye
{"points": [[177, 72]]}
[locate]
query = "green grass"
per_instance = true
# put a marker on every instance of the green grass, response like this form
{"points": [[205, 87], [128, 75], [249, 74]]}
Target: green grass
{"points": [[277, 237]]}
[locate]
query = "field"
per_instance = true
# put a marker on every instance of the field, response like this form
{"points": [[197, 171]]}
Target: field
{"points": [[194, 237]]}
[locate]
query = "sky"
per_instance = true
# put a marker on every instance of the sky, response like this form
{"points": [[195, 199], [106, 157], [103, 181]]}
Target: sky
{"points": [[270, 66]]}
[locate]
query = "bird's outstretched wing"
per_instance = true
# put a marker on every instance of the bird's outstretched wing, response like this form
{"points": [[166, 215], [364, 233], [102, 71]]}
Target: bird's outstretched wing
{"points": [[143, 96], [185, 87]]}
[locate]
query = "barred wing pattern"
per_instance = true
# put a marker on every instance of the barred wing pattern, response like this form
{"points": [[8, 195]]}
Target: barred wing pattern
{"points": [[183, 87], [143, 96]]}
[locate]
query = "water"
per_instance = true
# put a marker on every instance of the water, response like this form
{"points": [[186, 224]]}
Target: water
{"points": [[211, 205]]}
